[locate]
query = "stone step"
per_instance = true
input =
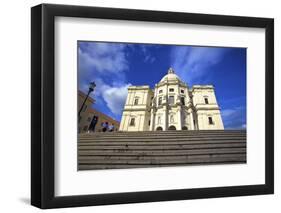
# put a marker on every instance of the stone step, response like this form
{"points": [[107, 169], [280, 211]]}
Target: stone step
{"points": [[163, 138], [161, 147], [83, 153], [171, 131], [167, 160], [147, 141], [152, 159], [117, 134], [155, 157], [159, 142], [167, 148], [82, 167], [151, 139]]}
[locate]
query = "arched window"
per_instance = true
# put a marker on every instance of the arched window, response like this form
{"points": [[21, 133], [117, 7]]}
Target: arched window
{"points": [[160, 101], [206, 100], [184, 128], [172, 128], [136, 102]]}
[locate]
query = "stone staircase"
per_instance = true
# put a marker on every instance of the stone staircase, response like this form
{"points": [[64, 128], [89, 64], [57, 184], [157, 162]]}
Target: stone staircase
{"points": [[116, 150]]}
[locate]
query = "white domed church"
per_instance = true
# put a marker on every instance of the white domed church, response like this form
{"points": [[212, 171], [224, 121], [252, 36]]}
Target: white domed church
{"points": [[171, 105]]}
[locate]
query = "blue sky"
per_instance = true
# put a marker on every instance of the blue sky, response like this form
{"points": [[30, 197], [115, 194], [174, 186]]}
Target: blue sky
{"points": [[115, 66]]}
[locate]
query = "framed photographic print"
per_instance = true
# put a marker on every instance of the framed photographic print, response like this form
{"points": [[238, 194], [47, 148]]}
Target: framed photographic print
{"points": [[139, 106]]}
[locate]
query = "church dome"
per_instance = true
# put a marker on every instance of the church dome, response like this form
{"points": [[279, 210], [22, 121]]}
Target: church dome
{"points": [[171, 76]]}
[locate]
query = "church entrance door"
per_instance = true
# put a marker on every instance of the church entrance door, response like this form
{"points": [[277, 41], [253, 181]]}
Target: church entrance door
{"points": [[172, 128]]}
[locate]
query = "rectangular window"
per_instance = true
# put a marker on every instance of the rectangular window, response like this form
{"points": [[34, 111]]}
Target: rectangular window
{"points": [[211, 120], [149, 123], [206, 100], [136, 101], [171, 90], [160, 101], [160, 91], [171, 100], [132, 122], [182, 91]]}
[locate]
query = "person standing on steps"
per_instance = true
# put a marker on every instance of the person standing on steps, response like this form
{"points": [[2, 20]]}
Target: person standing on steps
{"points": [[111, 128], [104, 126]]}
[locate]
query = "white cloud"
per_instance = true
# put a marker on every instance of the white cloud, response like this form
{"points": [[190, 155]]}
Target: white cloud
{"points": [[191, 63], [227, 112], [102, 57], [234, 118], [106, 64], [148, 58], [144, 49], [115, 98]]}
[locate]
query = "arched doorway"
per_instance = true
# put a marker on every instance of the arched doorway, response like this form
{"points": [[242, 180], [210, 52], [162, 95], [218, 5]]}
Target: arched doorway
{"points": [[159, 128], [184, 128], [172, 128]]}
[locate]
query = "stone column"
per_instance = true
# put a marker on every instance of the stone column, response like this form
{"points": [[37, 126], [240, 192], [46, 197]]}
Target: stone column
{"points": [[122, 124], [192, 127], [140, 126], [128, 121], [152, 117], [128, 97], [165, 117], [179, 118], [200, 124]]}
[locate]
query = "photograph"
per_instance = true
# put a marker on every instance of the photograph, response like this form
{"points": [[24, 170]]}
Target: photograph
{"points": [[156, 105], [141, 105]]}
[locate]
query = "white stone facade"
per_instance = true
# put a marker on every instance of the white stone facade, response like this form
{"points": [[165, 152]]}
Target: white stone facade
{"points": [[171, 105]]}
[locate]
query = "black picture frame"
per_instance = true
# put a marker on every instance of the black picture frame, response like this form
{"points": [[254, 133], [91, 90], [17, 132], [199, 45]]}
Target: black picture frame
{"points": [[43, 105]]}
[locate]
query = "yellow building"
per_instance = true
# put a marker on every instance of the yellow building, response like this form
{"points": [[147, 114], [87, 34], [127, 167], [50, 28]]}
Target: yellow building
{"points": [[171, 105], [90, 119], [98, 118]]}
